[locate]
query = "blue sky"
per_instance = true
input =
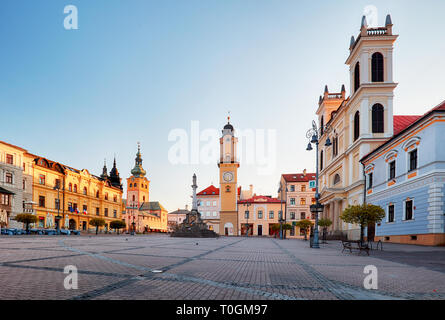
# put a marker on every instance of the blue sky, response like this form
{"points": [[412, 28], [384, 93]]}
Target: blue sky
{"points": [[135, 70]]}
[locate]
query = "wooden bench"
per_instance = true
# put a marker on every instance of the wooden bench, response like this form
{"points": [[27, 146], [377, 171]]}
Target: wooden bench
{"points": [[355, 245]]}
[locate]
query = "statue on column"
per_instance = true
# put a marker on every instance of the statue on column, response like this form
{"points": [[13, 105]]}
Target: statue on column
{"points": [[193, 226]]}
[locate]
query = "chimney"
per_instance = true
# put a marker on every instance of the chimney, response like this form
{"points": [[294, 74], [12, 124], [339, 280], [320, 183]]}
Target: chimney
{"points": [[186, 207], [304, 172]]}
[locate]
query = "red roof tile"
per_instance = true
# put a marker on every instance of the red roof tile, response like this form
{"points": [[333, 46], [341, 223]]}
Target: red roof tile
{"points": [[261, 199], [402, 122], [213, 191], [299, 177]]}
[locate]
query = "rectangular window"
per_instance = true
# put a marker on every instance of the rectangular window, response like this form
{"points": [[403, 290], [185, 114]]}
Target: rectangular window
{"points": [[8, 178], [303, 215], [413, 160], [292, 215], [292, 201], [303, 201], [106, 212], [260, 214], [42, 179], [292, 188], [392, 170], [409, 210], [115, 213], [314, 201], [9, 159], [391, 213], [246, 215], [214, 203], [370, 182], [57, 183], [97, 211], [84, 208], [303, 188], [42, 201], [271, 214], [70, 205]]}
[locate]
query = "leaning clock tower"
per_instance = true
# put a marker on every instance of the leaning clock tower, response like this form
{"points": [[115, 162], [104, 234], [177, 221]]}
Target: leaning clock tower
{"points": [[228, 175]]}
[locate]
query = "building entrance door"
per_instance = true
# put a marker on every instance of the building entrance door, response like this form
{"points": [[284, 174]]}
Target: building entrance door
{"points": [[260, 230], [226, 231], [371, 232]]}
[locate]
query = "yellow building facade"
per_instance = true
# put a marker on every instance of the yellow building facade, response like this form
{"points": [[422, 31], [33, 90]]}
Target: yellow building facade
{"points": [[69, 198]]}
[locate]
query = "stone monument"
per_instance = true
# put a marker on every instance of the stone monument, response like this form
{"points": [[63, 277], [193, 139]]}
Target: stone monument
{"points": [[193, 226]]}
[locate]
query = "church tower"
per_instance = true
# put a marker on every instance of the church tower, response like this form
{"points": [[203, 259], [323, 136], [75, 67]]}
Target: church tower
{"points": [[370, 64], [115, 178], [137, 184], [228, 177]]}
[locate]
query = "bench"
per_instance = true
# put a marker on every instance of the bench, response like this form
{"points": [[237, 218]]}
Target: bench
{"points": [[355, 245]]}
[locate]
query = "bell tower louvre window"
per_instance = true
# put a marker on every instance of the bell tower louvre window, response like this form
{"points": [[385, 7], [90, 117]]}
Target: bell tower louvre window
{"points": [[377, 67], [378, 119]]}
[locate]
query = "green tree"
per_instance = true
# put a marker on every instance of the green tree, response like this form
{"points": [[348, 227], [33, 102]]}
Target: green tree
{"points": [[27, 219], [97, 222], [325, 223], [363, 215], [117, 225], [304, 225]]}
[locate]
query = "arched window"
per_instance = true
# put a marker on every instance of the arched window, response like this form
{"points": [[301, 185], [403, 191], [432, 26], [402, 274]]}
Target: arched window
{"points": [[337, 179], [131, 185], [356, 125], [378, 124], [321, 160], [335, 146], [70, 187], [97, 194], [377, 67], [357, 77], [85, 190], [106, 196], [134, 198], [75, 188]]}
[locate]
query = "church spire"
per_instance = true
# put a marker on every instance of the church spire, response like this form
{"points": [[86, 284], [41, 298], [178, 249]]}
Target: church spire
{"points": [[114, 176], [104, 174], [138, 170]]}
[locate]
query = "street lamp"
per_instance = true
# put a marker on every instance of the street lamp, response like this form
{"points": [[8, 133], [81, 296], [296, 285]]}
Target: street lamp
{"points": [[58, 217], [247, 218], [314, 134], [281, 220]]}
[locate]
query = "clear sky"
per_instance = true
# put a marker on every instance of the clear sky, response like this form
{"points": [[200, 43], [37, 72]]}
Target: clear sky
{"points": [[136, 70]]}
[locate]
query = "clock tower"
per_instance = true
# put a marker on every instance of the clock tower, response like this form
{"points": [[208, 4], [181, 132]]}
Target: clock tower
{"points": [[228, 175]]}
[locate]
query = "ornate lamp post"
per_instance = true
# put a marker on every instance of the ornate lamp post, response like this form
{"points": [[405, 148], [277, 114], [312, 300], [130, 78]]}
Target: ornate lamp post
{"points": [[247, 218], [280, 218], [314, 135], [58, 217]]}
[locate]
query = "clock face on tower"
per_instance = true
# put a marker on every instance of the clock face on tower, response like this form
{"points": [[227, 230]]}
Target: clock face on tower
{"points": [[228, 176]]}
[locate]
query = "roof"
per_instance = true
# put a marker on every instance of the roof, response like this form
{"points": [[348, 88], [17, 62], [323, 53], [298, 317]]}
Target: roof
{"points": [[299, 177], [213, 191], [4, 191], [14, 146], [152, 205], [261, 199], [209, 191], [404, 123], [180, 211]]}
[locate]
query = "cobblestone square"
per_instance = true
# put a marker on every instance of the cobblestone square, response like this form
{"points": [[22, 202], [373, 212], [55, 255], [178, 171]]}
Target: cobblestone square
{"points": [[235, 268]]}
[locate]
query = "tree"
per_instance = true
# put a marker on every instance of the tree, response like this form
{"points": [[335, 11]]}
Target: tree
{"points": [[363, 215], [325, 223], [117, 225], [27, 219], [97, 222], [304, 225]]}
